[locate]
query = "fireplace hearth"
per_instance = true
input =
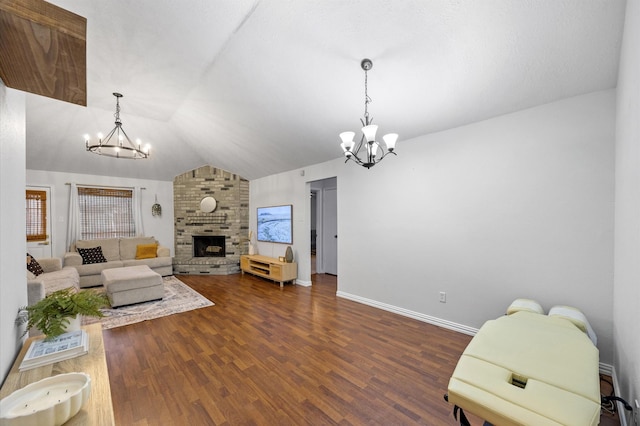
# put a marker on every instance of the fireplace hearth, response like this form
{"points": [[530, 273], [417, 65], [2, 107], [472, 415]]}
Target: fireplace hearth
{"points": [[209, 246]]}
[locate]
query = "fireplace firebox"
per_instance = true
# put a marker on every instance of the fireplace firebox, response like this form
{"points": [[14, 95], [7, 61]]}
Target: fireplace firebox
{"points": [[209, 246]]}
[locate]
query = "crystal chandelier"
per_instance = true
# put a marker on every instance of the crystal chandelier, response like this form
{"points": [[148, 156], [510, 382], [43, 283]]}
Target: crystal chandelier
{"points": [[368, 144], [121, 147]]}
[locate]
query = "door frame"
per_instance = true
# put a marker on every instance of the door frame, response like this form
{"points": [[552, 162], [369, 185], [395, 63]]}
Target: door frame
{"points": [[318, 186], [330, 235]]}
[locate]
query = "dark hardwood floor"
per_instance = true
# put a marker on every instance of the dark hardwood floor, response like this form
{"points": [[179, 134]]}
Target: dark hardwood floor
{"points": [[270, 356]]}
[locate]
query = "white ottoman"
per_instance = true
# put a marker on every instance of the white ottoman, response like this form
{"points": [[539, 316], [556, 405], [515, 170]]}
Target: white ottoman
{"points": [[132, 284]]}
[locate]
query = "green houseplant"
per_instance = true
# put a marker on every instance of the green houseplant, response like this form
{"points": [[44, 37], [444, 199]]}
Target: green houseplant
{"points": [[52, 314]]}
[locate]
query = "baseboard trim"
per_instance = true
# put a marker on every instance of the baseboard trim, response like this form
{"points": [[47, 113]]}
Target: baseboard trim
{"points": [[607, 369], [604, 368], [411, 314], [610, 370], [304, 283]]}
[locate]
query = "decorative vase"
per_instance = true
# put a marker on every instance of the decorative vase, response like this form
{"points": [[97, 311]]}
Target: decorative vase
{"points": [[288, 255], [74, 323], [252, 249]]}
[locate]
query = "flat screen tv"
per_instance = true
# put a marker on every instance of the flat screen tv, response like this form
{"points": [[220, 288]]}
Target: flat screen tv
{"points": [[275, 224]]}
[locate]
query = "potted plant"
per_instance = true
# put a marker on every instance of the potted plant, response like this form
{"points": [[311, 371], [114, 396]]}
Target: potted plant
{"points": [[52, 315]]}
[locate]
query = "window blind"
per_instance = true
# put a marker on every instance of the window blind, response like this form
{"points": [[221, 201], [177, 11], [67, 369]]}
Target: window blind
{"points": [[106, 213], [36, 203]]}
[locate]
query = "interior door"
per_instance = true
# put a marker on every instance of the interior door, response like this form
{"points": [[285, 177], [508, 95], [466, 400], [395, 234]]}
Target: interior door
{"points": [[41, 246], [330, 231]]}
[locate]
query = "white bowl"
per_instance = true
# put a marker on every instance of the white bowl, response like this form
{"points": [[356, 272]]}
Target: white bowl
{"points": [[48, 402]]}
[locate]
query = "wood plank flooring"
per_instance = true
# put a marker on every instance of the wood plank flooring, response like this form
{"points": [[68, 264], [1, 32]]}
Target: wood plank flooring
{"points": [[270, 356]]}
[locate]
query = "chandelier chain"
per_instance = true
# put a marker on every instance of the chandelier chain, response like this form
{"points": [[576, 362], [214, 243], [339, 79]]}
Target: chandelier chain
{"points": [[367, 99], [117, 114]]}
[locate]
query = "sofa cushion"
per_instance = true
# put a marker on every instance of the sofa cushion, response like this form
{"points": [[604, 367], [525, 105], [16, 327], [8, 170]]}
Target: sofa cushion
{"points": [[96, 268], [156, 262], [163, 251], [92, 255], [50, 264], [49, 282], [110, 247], [33, 266], [64, 278], [146, 251], [128, 246]]}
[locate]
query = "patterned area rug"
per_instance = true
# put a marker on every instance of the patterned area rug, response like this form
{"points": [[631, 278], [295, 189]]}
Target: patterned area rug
{"points": [[178, 297]]}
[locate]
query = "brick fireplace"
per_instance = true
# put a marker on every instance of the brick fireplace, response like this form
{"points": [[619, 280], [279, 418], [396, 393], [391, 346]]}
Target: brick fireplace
{"points": [[210, 243]]}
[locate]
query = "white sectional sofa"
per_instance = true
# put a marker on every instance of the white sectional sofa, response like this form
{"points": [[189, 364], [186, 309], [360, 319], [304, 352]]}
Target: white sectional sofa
{"points": [[118, 252]]}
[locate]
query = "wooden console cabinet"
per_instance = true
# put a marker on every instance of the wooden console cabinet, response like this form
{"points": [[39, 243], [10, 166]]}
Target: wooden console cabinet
{"points": [[268, 267], [98, 409]]}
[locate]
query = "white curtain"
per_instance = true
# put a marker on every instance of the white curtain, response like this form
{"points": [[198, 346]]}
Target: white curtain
{"points": [[137, 210], [73, 222]]}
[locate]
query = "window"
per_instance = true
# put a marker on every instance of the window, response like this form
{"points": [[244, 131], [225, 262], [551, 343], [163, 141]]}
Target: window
{"points": [[106, 213], [36, 202]]}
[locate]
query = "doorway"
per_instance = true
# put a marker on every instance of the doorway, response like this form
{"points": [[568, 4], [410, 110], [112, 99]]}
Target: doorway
{"points": [[324, 226]]}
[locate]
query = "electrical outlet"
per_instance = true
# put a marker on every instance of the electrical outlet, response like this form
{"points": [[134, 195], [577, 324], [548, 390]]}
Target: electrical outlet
{"points": [[443, 297]]}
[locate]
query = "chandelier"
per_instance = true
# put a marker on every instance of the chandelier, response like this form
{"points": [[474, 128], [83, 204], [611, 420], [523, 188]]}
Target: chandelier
{"points": [[368, 144], [121, 147]]}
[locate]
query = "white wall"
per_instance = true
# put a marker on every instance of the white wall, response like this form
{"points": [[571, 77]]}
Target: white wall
{"points": [[290, 188], [161, 227], [626, 302], [261, 194], [13, 246], [517, 206]]}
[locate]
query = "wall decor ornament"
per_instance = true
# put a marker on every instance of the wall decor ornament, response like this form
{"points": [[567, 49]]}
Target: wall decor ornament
{"points": [[208, 204], [156, 209]]}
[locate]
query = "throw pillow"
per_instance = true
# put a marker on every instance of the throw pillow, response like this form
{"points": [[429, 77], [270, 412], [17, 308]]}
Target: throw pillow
{"points": [[92, 255], [33, 266], [146, 251]]}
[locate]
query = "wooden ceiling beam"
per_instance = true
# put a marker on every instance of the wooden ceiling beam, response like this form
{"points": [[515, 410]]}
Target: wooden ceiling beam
{"points": [[43, 50]]}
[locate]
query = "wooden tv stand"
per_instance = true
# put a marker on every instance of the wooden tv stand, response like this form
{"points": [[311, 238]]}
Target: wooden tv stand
{"points": [[268, 267]]}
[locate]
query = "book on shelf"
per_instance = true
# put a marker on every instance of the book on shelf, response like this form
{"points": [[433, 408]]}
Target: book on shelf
{"points": [[42, 352]]}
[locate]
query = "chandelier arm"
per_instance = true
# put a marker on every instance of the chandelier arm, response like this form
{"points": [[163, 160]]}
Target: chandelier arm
{"points": [[97, 149], [359, 146], [355, 158], [382, 156], [128, 140], [106, 139]]}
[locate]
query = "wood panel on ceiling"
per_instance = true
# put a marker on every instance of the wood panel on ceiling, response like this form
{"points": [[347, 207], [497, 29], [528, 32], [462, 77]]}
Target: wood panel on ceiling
{"points": [[43, 50]]}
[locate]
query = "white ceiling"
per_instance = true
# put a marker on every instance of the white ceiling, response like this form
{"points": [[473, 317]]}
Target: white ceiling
{"points": [[261, 87]]}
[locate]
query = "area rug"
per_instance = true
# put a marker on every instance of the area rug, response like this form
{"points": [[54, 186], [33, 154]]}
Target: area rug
{"points": [[178, 297]]}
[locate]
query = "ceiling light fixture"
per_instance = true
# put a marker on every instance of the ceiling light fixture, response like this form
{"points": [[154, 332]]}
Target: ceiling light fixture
{"points": [[368, 158], [121, 147]]}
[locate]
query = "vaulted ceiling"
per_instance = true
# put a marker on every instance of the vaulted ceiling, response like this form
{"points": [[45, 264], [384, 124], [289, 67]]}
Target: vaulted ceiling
{"points": [[261, 87]]}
